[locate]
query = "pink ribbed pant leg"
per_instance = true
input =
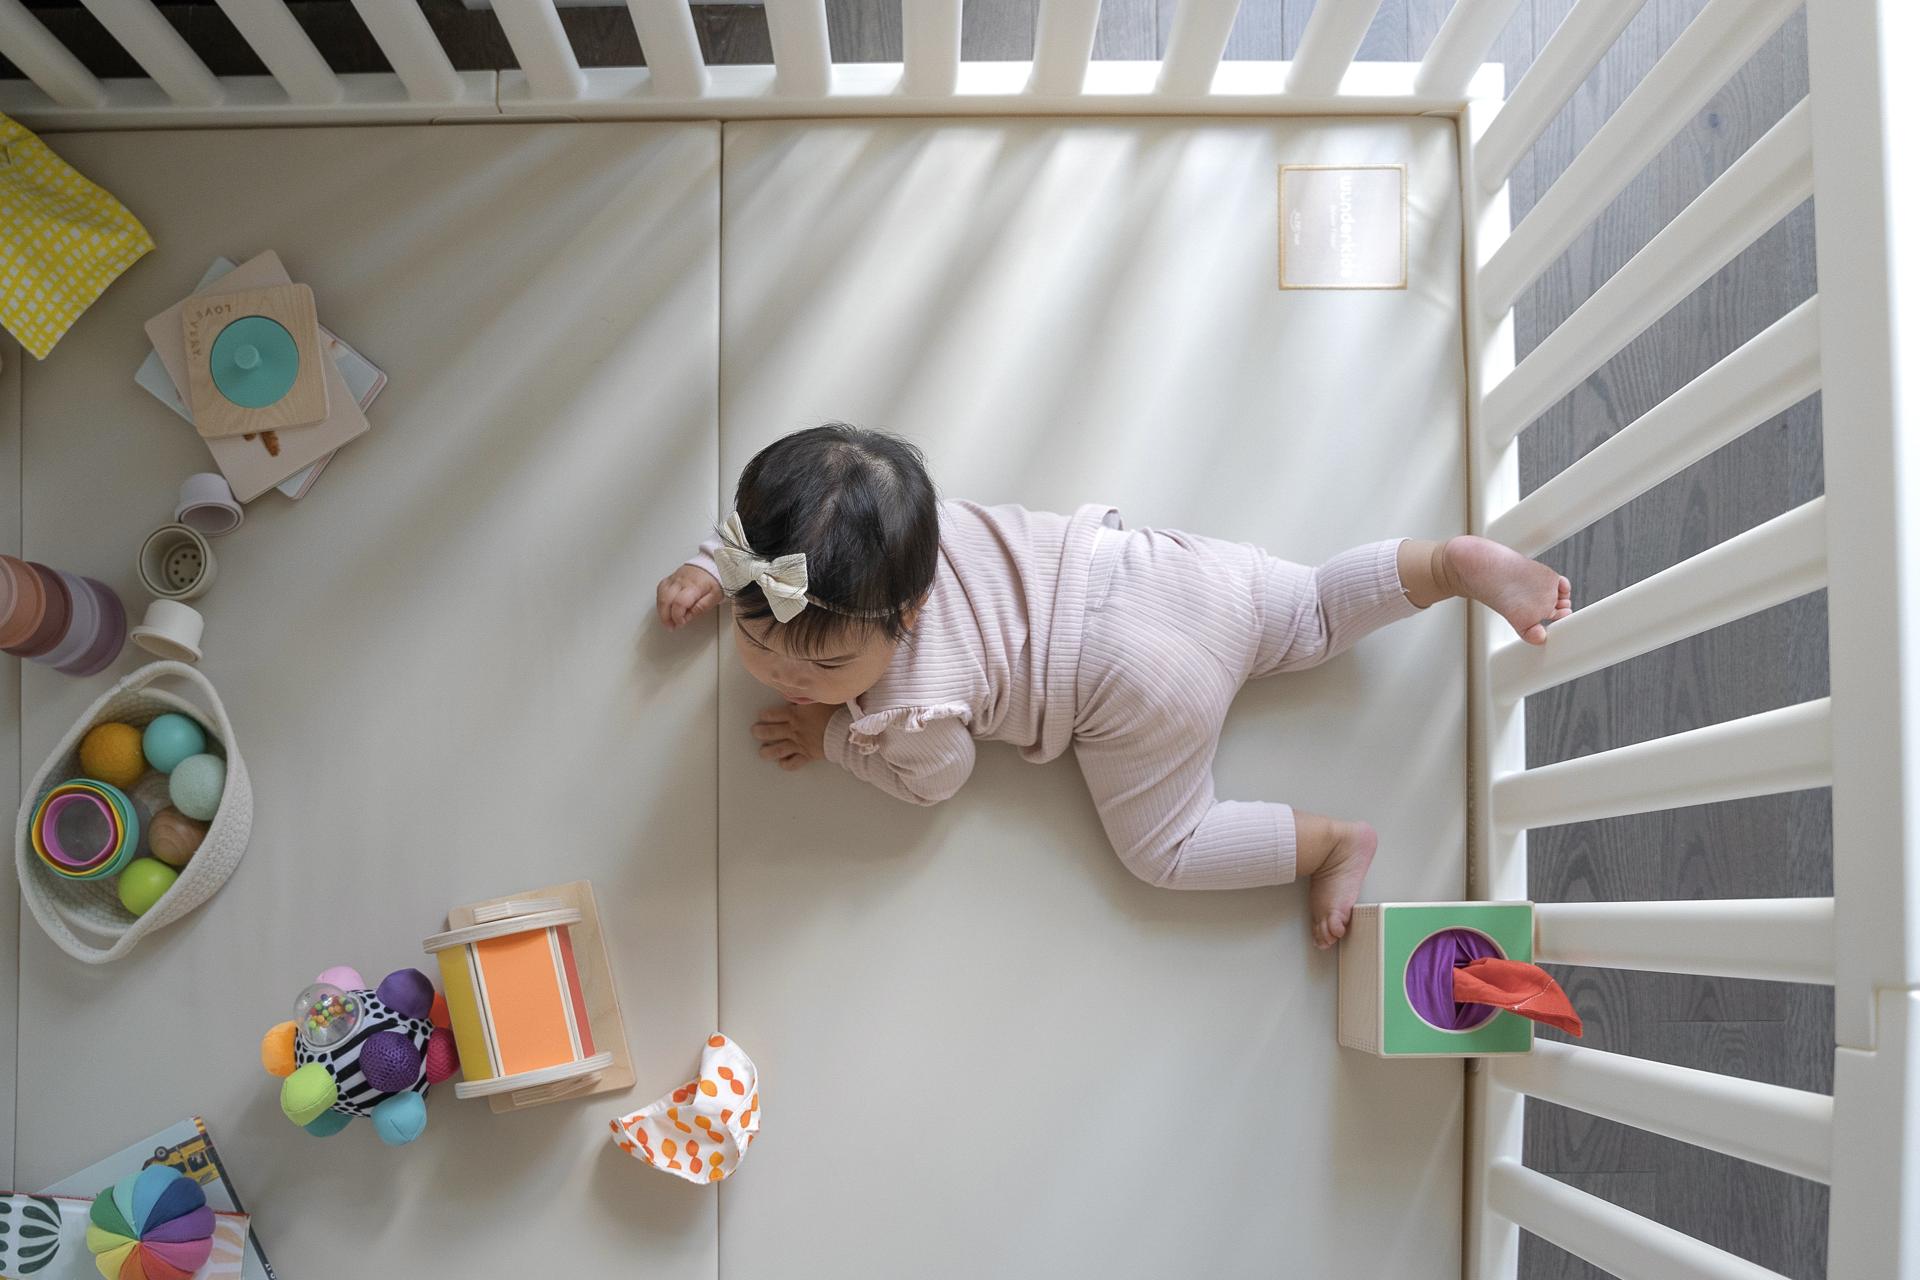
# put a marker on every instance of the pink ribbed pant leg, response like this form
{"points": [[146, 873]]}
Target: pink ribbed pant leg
{"points": [[1176, 624]]}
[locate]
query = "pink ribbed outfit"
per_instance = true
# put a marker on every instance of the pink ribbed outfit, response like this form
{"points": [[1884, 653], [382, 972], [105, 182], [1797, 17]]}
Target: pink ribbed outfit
{"points": [[1049, 631]]}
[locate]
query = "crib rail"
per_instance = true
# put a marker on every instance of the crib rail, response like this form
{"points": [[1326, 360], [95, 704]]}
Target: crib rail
{"points": [[1859, 543], [804, 79]]}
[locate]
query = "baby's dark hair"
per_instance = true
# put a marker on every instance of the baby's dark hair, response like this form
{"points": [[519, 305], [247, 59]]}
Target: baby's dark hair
{"points": [[861, 507]]}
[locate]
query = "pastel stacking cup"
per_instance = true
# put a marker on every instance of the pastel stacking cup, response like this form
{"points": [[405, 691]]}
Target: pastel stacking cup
{"points": [[71, 623]]}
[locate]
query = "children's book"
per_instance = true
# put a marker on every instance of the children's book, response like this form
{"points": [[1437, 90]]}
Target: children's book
{"points": [[364, 379], [188, 1147], [256, 463]]}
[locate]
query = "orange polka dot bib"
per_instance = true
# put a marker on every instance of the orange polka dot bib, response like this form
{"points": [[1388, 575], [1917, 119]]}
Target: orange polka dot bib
{"points": [[701, 1130]]}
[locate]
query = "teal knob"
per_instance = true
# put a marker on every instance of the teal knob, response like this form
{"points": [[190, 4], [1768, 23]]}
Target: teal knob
{"points": [[254, 362]]}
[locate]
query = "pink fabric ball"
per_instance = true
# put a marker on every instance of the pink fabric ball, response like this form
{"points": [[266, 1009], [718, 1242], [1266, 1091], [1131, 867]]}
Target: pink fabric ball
{"points": [[443, 1058]]}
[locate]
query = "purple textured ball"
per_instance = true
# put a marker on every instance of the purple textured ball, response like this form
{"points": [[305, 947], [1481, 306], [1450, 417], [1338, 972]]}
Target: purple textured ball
{"points": [[389, 1061], [408, 992]]}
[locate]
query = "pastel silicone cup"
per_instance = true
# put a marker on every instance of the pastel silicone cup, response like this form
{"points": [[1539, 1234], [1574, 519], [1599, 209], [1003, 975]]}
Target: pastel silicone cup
{"points": [[29, 605], [207, 504], [53, 621], [110, 637], [176, 562], [84, 626]]}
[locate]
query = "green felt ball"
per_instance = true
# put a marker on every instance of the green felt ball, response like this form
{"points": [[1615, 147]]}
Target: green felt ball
{"points": [[308, 1092], [144, 882], [195, 785], [168, 739]]}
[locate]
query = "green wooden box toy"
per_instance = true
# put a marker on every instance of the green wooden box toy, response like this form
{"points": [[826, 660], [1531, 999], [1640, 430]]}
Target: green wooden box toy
{"points": [[1376, 1014]]}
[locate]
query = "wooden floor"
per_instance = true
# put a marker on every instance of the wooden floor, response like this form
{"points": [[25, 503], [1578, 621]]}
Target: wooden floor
{"points": [[1779, 846]]}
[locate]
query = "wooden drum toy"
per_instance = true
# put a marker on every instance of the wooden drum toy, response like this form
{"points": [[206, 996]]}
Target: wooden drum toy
{"points": [[530, 997]]}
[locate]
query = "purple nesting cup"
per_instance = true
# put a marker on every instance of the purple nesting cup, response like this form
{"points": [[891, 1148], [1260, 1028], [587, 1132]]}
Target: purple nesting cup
{"points": [[110, 634], [82, 627]]}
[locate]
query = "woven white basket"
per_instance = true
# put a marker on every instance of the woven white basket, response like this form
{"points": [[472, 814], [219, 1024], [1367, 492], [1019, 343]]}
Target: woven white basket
{"points": [[67, 909]]}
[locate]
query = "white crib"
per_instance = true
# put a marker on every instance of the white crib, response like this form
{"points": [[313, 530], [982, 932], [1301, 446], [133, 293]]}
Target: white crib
{"points": [[1852, 344]]}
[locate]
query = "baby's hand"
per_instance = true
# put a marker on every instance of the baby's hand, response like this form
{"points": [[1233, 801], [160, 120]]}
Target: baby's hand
{"points": [[685, 594], [794, 736]]}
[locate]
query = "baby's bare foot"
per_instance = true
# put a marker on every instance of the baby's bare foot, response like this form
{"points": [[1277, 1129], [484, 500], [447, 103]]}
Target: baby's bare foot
{"points": [[1528, 594], [1336, 884]]}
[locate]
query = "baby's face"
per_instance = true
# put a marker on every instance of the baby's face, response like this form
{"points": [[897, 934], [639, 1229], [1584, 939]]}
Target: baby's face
{"points": [[839, 673]]}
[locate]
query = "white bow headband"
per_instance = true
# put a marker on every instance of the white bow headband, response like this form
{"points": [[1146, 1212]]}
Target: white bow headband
{"points": [[782, 579]]}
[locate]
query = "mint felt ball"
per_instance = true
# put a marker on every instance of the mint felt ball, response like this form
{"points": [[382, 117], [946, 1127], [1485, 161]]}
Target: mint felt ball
{"points": [[195, 786], [171, 738]]}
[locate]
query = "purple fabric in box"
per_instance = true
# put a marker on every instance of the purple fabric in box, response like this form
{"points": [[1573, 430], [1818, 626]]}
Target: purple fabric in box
{"points": [[1430, 978]]}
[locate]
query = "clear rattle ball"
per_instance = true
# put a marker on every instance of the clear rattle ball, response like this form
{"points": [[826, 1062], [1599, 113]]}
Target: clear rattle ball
{"points": [[325, 1015]]}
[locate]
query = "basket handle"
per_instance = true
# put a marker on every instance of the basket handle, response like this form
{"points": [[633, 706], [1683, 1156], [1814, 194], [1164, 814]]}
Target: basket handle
{"points": [[141, 677]]}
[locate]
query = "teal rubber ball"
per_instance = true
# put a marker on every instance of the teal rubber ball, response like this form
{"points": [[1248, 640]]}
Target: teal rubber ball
{"points": [[195, 786], [171, 738]]}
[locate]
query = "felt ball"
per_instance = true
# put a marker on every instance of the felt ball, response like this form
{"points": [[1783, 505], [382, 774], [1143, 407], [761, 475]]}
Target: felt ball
{"points": [[343, 976], [308, 1092], [328, 1123], [443, 1056], [174, 837], [144, 882], [408, 992], [276, 1050], [400, 1119], [196, 784], [389, 1061], [171, 738], [111, 753], [438, 1014]]}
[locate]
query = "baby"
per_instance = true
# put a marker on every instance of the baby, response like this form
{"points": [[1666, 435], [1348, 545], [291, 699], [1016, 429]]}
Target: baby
{"points": [[899, 628]]}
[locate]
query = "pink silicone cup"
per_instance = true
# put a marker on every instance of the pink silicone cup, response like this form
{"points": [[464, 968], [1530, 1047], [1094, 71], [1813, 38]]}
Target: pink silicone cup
{"points": [[49, 824]]}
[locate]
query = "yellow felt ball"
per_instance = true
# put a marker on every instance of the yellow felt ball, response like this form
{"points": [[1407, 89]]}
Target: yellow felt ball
{"points": [[111, 753]]}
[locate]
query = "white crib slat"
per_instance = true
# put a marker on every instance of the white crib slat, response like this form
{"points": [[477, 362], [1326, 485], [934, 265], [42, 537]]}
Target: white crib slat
{"points": [[1757, 190], [1614, 1239], [1703, 58], [412, 49], [1786, 1129], [1333, 34], [930, 35], [671, 47], [1062, 46], [1461, 45], [1788, 749], [1199, 36], [540, 45], [153, 42], [1570, 55], [1766, 939], [1770, 373], [802, 52], [1781, 560], [270, 30], [45, 61]]}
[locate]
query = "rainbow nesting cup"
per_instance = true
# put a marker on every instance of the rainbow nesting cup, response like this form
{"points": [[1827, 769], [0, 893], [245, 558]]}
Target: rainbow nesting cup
{"points": [[85, 830]]}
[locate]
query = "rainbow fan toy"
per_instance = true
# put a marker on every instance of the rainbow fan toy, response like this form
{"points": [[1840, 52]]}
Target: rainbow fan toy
{"points": [[151, 1225]]}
